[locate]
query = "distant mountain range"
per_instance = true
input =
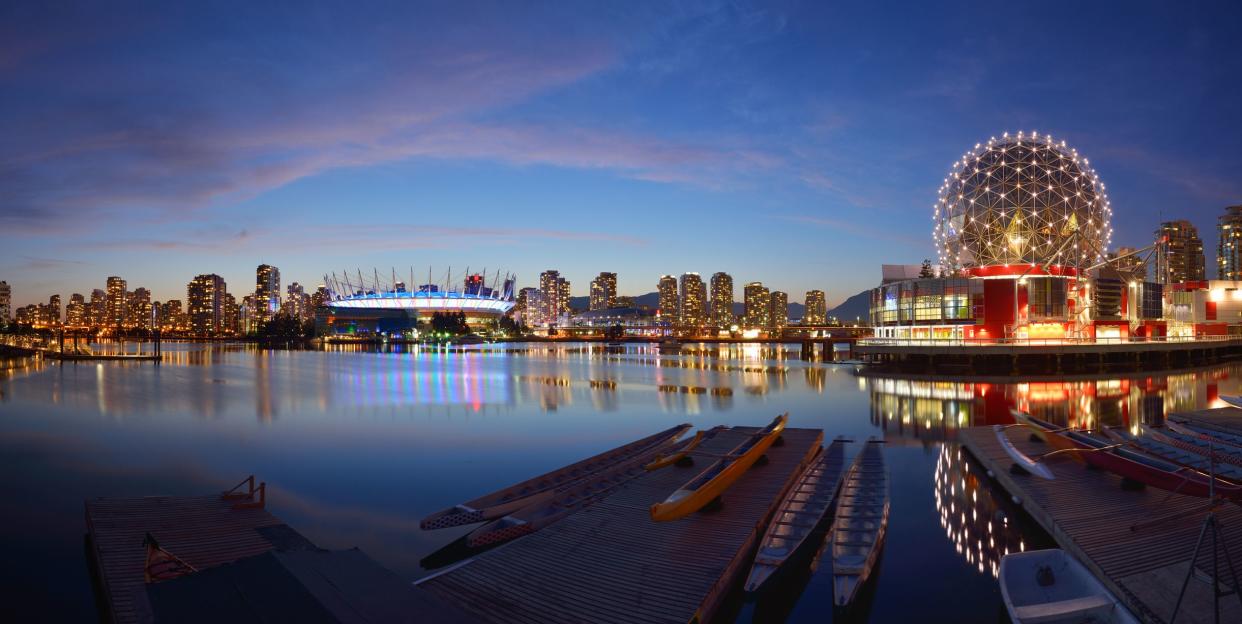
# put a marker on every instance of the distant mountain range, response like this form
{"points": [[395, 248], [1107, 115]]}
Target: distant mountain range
{"points": [[856, 306]]}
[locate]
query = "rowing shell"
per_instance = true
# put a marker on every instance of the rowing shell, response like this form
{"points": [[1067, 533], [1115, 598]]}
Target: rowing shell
{"points": [[1033, 466]]}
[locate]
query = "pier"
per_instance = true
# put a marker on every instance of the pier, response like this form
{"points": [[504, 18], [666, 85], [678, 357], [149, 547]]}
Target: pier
{"points": [[248, 566], [1108, 528], [610, 562], [72, 351]]}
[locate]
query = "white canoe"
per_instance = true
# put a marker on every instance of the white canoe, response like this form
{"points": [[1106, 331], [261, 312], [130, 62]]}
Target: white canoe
{"points": [[1051, 587], [1033, 466]]}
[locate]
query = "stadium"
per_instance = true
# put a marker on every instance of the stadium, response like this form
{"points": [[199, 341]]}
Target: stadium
{"points": [[360, 305]]}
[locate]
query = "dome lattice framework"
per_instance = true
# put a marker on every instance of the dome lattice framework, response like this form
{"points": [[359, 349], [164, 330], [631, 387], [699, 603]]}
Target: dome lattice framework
{"points": [[1022, 199]]}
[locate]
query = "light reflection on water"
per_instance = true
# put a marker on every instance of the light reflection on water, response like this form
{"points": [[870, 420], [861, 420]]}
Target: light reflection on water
{"points": [[356, 446]]}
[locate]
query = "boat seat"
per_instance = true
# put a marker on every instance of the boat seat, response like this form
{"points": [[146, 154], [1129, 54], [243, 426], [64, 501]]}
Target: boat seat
{"points": [[1061, 610]]}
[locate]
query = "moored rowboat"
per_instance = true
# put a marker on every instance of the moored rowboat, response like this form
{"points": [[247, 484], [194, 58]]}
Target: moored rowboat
{"points": [[801, 511], [1186, 428], [682, 449], [544, 487], [1050, 586], [1135, 465], [717, 478], [860, 524], [1020, 459]]}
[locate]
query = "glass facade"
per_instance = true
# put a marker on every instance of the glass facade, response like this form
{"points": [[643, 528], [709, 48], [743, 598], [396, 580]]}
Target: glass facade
{"points": [[927, 301]]}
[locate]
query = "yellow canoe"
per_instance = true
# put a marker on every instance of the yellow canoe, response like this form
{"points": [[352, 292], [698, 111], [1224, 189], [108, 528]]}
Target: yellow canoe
{"points": [[717, 478]]}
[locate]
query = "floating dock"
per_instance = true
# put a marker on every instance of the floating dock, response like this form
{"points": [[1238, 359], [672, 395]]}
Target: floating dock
{"points": [[1091, 516], [249, 567], [610, 562]]}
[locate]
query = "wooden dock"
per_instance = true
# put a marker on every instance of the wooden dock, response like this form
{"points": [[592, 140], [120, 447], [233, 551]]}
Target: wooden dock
{"points": [[611, 563], [1090, 516]]}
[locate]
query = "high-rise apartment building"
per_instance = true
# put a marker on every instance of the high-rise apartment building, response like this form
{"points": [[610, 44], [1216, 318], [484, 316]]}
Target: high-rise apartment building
{"points": [[562, 292], [266, 293], [1229, 246], [1180, 258], [667, 289], [550, 284], [604, 291], [53, 311], [98, 309], [232, 314], [138, 314], [816, 308], [115, 304], [297, 303], [6, 303], [528, 307], [778, 310], [76, 312], [692, 302], [205, 305], [722, 300], [319, 298], [170, 317], [755, 297]]}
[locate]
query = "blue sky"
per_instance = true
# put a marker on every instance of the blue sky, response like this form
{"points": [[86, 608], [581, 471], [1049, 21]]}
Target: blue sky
{"points": [[800, 144]]}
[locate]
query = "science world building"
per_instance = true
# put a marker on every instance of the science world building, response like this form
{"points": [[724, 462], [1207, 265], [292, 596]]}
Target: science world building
{"points": [[361, 304], [1022, 231]]}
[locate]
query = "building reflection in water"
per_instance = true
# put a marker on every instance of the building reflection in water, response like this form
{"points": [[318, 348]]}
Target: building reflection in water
{"points": [[978, 524], [937, 409]]}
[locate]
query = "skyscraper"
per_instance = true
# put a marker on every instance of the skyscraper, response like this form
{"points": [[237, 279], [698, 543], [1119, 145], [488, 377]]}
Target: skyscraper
{"points": [[816, 308], [6, 303], [232, 315], [692, 305], [204, 297], [298, 302], [668, 297], [1181, 258], [562, 292], [115, 304], [527, 308], [604, 291], [1229, 247], [778, 310], [76, 312], [98, 309], [756, 301], [266, 293], [53, 311], [722, 300], [550, 290], [138, 315]]}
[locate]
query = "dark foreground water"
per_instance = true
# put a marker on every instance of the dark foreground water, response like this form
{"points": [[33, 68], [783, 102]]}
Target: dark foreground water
{"points": [[357, 446]]}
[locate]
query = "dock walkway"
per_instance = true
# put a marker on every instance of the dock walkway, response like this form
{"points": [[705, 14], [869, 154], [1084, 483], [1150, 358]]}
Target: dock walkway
{"points": [[1090, 516], [611, 563]]}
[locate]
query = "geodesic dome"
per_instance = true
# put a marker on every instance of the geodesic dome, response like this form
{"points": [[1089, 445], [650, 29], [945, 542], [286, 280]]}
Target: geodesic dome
{"points": [[1022, 199]]}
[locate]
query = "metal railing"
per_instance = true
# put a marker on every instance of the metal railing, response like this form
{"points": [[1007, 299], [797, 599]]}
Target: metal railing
{"points": [[1013, 341]]}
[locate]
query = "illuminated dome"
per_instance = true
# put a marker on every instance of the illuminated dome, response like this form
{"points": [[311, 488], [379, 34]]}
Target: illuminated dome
{"points": [[1022, 199]]}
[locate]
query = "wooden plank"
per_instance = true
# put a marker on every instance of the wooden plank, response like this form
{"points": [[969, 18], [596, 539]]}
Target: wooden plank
{"points": [[1089, 515], [611, 563]]}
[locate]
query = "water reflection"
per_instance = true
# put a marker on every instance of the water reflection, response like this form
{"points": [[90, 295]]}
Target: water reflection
{"points": [[936, 409], [982, 528]]}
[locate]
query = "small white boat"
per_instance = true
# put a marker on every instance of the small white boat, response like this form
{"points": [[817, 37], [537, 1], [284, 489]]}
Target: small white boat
{"points": [[1051, 587], [1232, 399]]}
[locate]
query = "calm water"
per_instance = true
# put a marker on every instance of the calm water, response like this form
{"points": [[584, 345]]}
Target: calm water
{"points": [[357, 446]]}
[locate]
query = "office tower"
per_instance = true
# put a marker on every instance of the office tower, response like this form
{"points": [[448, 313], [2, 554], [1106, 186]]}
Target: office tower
{"points": [[1128, 263], [722, 300], [1229, 246], [692, 305], [550, 289], [562, 291], [266, 293], [816, 308], [604, 291], [76, 311], [778, 310], [204, 297], [53, 311], [1180, 258], [6, 303], [299, 304], [98, 309], [667, 289], [114, 314], [755, 297], [138, 315]]}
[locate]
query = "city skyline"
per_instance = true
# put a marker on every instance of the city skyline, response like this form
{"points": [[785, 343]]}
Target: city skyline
{"points": [[160, 145]]}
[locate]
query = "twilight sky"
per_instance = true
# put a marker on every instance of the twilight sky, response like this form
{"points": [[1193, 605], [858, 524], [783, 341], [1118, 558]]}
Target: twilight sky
{"points": [[800, 144]]}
